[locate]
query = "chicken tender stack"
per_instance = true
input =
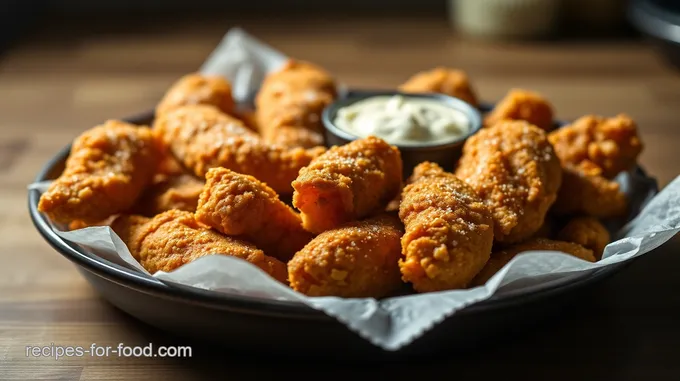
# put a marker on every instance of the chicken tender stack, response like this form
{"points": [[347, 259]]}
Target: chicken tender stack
{"points": [[202, 137], [347, 183], [106, 171], [290, 103], [442, 80], [240, 205], [356, 260], [174, 238], [449, 231], [513, 168]]}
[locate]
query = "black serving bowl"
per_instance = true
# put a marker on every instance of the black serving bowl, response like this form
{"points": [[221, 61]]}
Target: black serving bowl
{"points": [[445, 154], [292, 329]]}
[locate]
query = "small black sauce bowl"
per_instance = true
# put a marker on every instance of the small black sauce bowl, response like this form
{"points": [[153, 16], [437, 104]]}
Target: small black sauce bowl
{"points": [[444, 154]]}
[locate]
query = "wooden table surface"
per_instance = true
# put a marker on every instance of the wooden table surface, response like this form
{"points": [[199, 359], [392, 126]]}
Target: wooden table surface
{"points": [[58, 83]]}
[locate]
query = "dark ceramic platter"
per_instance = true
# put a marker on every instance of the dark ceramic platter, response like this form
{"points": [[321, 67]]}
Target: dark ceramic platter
{"points": [[260, 325]]}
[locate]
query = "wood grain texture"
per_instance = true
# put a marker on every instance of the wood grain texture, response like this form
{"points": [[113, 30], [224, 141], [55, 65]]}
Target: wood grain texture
{"points": [[56, 84]]}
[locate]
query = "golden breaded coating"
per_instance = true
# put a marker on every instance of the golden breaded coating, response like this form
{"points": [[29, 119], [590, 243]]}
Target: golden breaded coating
{"points": [[295, 137], [78, 224], [356, 260], [449, 230], [130, 229], [501, 258], [585, 192], [610, 143], [347, 183], [513, 168], [198, 89], [202, 137], [179, 192], [441, 80], [587, 232], [524, 105], [240, 205], [174, 238], [107, 169], [168, 166], [294, 97]]}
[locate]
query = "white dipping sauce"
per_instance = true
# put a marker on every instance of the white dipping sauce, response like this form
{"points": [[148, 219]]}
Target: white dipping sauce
{"points": [[403, 120]]}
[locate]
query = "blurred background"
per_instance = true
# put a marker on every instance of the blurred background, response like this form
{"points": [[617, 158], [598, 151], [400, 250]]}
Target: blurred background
{"points": [[489, 18], [81, 62]]}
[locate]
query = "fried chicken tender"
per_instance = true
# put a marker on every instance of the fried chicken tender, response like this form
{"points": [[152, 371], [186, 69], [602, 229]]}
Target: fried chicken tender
{"points": [[609, 143], [78, 224], [293, 98], [513, 168], [449, 230], [585, 191], [107, 169], [525, 105], [442, 80], [356, 260], [347, 183], [195, 89], [168, 166], [295, 137], [587, 232], [501, 258], [174, 238], [202, 137], [240, 205], [179, 192]]}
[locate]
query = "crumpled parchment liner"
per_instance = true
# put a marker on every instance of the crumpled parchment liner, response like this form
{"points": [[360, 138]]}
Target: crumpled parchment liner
{"points": [[393, 322]]}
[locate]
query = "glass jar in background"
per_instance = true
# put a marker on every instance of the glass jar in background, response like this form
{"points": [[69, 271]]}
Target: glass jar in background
{"points": [[505, 18]]}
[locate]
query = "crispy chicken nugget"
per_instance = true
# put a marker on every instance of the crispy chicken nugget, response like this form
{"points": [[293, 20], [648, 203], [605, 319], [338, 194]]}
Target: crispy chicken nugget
{"points": [[347, 183], [174, 238], [293, 98], [202, 137], [513, 168], [356, 260], [179, 192], [587, 232], [240, 205], [449, 230], [443, 80], [585, 192], [195, 89], [610, 143], [501, 258], [107, 169], [525, 105]]}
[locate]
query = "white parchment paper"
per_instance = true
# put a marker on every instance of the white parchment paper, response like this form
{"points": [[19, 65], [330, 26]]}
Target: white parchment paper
{"points": [[394, 322]]}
